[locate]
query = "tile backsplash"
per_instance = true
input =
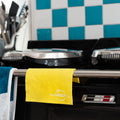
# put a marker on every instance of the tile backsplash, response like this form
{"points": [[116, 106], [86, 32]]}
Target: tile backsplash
{"points": [[75, 19]]}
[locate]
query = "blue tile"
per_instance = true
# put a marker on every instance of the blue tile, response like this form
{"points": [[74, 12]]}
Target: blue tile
{"points": [[94, 15], [59, 18], [111, 31], [110, 1], [43, 4], [76, 33], [73, 3], [44, 34]]}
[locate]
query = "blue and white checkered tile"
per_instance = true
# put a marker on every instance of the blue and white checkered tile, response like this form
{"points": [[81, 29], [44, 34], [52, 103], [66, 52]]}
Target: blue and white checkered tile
{"points": [[75, 19]]}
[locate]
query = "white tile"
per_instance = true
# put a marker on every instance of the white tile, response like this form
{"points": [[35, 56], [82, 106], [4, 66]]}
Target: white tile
{"points": [[43, 19], [60, 33], [59, 4], [111, 14], [94, 32], [76, 16], [93, 2], [40, 19]]}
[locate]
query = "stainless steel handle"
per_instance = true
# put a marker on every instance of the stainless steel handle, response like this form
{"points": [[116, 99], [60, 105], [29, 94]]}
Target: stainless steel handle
{"points": [[83, 73]]}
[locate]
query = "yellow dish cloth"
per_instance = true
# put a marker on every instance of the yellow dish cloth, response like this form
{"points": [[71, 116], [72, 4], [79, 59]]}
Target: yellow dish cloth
{"points": [[49, 86]]}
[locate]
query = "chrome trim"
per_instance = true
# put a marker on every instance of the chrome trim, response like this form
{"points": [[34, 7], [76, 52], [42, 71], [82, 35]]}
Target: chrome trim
{"points": [[107, 54], [100, 102], [97, 73], [98, 99], [95, 55]]}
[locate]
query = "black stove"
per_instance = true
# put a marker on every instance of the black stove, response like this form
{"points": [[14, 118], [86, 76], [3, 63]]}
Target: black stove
{"points": [[94, 98]]}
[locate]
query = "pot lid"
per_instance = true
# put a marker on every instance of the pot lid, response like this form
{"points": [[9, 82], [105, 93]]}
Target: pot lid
{"points": [[106, 54], [38, 54]]}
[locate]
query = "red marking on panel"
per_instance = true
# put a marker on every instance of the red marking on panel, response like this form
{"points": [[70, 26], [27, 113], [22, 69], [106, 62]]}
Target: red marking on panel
{"points": [[106, 100], [107, 96]]}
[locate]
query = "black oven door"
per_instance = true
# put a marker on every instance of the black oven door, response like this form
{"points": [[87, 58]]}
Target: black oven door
{"points": [[102, 103], [84, 112]]}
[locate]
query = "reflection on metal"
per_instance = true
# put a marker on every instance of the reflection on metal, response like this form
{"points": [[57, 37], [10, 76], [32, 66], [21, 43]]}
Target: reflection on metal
{"points": [[20, 72], [97, 73], [105, 54], [83, 73], [37, 54]]}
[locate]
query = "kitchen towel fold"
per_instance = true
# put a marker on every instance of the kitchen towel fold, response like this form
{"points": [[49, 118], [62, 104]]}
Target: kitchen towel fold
{"points": [[49, 86], [8, 91]]}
